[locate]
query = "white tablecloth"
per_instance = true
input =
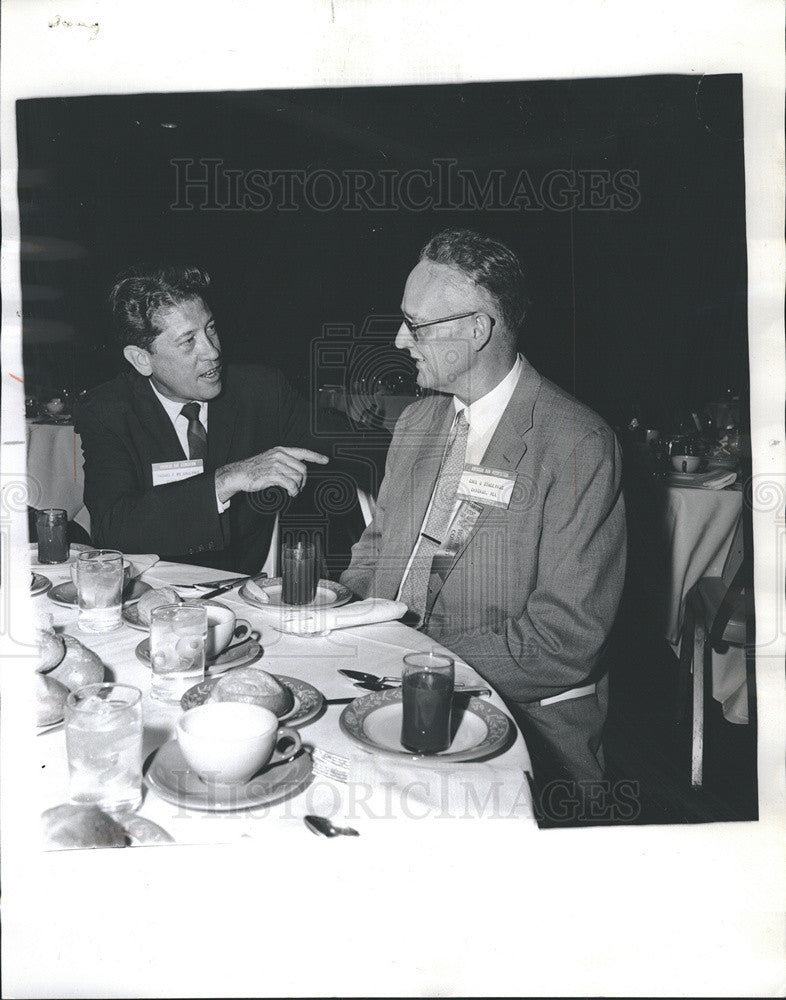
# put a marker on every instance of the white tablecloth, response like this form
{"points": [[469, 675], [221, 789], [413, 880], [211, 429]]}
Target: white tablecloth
{"points": [[377, 648], [55, 475], [699, 528]]}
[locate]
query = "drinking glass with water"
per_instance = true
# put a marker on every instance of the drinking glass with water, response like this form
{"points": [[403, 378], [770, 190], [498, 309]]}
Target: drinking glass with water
{"points": [[103, 728], [99, 587], [178, 633]]}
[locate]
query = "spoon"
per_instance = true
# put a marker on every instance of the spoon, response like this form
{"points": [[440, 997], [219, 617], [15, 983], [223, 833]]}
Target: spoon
{"points": [[321, 824]]}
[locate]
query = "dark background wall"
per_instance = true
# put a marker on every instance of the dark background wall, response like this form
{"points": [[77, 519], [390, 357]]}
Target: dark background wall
{"points": [[629, 216]]}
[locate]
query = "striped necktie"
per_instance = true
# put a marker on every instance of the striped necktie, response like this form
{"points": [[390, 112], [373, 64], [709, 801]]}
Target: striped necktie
{"points": [[414, 591], [197, 435]]}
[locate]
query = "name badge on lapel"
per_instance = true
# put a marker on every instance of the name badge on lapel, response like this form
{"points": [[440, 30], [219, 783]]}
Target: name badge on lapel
{"points": [[173, 472], [493, 487]]}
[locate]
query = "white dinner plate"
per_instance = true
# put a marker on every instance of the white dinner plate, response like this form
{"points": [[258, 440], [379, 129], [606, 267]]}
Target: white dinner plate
{"points": [[240, 656], [479, 729], [329, 595], [308, 699], [170, 777], [65, 593]]}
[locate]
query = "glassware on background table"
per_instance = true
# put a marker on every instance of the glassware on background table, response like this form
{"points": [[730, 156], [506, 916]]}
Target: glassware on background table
{"points": [[103, 727], [298, 572], [178, 634], [685, 454], [99, 590], [427, 697], [51, 527]]}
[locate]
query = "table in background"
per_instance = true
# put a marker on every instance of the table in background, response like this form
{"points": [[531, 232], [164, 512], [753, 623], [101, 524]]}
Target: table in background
{"points": [[699, 525], [54, 470], [376, 648]]}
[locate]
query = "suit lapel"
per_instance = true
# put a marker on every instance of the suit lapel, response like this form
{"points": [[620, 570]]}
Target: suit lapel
{"points": [[164, 443], [505, 450]]}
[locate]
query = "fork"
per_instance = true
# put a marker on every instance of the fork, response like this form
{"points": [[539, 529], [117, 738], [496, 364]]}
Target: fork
{"points": [[208, 584]]}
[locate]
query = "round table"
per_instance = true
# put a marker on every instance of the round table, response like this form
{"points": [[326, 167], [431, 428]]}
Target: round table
{"points": [[699, 525], [375, 788], [55, 475]]}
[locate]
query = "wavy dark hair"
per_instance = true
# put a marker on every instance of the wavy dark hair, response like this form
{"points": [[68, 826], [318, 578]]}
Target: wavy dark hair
{"points": [[140, 291], [489, 264]]}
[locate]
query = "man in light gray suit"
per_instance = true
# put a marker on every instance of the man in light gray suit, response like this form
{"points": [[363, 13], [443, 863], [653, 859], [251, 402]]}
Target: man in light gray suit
{"points": [[500, 520]]}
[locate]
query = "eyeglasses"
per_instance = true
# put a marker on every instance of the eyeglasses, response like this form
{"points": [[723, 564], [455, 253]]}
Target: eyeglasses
{"points": [[414, 327]]}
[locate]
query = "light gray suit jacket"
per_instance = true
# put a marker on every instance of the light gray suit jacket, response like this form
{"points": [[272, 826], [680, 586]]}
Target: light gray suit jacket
{"points": [[532, 595]]}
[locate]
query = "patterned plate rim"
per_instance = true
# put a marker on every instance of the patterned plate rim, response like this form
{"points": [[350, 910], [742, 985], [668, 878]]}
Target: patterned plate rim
{"points": [[352, 718], [37, 588], [297, 686], [55, 598], [343, 596]]}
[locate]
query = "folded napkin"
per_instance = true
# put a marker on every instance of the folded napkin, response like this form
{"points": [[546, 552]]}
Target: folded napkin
{"points": [[140, 563], [308, 621], [714, 480], [482, 790]]}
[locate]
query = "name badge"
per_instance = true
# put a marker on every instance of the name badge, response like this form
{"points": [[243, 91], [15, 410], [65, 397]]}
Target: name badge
{"points": [[493, 487], [173, 472]]}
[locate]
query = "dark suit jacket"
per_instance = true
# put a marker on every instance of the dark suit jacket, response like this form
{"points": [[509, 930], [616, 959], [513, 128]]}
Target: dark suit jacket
{"points": [[532, 595], [124, 430]]}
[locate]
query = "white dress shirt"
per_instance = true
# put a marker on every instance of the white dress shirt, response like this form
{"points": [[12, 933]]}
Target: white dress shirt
{"points": [[180, 423], [483, 416]]}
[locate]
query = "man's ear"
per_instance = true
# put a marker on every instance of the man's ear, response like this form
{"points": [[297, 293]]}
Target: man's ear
{"points": [[139, 358], [481, 332]]}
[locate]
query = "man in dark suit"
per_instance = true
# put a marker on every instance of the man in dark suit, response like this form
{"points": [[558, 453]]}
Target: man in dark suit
{"points": [[181, 451], [500, 521]]}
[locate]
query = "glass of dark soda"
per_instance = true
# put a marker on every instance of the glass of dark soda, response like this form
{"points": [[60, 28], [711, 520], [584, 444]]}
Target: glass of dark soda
{"points": [[427, 697], [52, 530]]}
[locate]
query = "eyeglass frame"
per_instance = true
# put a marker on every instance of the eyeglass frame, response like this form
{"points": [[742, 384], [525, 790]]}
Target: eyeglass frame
{"points": [[414, 327]]}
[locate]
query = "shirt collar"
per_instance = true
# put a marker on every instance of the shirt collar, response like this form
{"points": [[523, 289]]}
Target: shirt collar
{"points": [[173, 409], [486, 411]]}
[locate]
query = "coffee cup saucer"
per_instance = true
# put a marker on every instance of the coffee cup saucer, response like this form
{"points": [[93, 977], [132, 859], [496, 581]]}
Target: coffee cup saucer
{"points": [[239, 656], [169, 776]]}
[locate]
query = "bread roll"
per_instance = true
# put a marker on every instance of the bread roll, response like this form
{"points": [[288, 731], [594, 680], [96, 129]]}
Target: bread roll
{"points": [[79, 666], [50, 696], [51, 650], [72, 826], [155, 599], [255, 687]]}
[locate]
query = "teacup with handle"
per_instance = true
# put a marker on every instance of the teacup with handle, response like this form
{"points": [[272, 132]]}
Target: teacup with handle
{"points": [[228, 742]]}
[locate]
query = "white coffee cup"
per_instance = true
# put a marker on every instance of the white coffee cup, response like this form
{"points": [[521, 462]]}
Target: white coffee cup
{"points": [[223, 627], [228, 742], [685, 463]]}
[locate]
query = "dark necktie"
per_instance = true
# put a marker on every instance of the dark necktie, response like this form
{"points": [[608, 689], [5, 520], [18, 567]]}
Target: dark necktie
{"points": [[414, 591], [197, 435]]}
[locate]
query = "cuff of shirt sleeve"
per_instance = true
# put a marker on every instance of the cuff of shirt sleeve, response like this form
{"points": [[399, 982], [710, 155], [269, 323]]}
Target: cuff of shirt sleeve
{"points": [[222, 505]]}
